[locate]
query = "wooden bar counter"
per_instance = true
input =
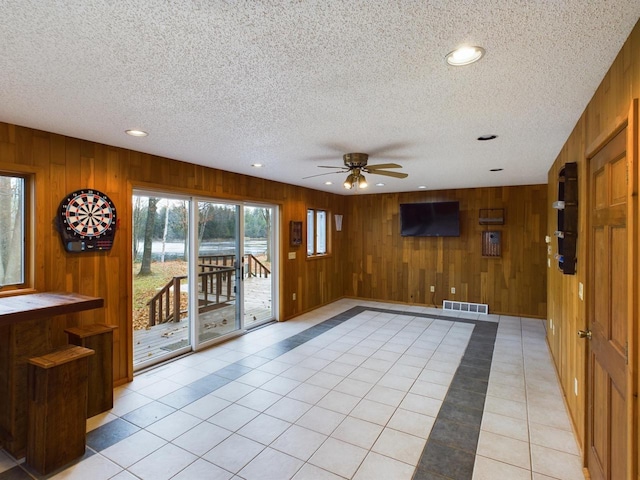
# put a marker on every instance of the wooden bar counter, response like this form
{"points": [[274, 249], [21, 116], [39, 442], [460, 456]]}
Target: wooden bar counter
{"points": [[25, 322]]}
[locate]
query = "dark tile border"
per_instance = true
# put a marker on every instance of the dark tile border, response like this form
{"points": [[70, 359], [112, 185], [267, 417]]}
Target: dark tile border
{"points": [[119, 429], [110, 434], [15, 473], [450, 449]]}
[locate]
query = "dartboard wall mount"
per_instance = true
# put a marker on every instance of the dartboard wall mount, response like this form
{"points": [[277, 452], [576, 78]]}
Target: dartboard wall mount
{"points": [[87, 221]]}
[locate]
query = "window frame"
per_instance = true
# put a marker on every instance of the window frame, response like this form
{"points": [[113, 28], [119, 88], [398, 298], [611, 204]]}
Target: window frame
{"points": [[313, 253], [31, 182]]}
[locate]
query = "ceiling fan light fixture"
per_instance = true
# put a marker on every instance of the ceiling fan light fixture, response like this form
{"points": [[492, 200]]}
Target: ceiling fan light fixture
{"points": [[362, 182], [355, 166], [355, 160], [348, 183], [464, 56]]}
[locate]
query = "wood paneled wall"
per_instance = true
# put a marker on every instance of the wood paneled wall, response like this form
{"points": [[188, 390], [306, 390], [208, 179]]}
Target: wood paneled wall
{"points": [[383, 265], [605, 112], [61, 165], [368, 259]]}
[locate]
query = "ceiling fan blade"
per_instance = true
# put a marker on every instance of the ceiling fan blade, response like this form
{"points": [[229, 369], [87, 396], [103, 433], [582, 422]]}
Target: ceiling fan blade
{"points": [[334, 167], [336, 149], [389, 174], [321, 174], [339, 148], [324, 158], [385, 149], [384, 165]]}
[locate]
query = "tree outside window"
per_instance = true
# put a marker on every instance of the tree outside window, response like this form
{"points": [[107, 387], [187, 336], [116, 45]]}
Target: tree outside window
{"points": [[12, 233]]}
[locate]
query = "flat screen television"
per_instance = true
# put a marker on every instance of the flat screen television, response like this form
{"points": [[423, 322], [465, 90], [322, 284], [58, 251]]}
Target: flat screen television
{"points": [[434, 219]]}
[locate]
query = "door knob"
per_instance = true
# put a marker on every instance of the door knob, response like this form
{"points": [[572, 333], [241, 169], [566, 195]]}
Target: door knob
{"points": [[584, 334]]}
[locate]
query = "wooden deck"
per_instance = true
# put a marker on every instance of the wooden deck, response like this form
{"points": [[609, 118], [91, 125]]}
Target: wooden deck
{"points": [[160, 340]]}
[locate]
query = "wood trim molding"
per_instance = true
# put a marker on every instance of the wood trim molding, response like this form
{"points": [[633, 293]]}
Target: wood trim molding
{"points": [[633, 374], [605, 137]]}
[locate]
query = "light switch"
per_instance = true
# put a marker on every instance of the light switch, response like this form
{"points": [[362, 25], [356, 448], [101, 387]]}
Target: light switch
{"points": [[292, 255]]}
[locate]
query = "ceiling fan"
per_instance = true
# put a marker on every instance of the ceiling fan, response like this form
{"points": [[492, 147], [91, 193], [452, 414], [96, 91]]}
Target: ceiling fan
{"points": [[356, 164]]}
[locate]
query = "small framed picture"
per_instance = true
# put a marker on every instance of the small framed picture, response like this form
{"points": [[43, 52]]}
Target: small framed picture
{"points": [[295, 233]]}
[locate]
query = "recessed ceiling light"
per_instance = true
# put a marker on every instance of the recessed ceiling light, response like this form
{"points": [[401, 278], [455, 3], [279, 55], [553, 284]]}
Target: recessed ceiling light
{"points": [[136, 133], [257, 165], [484, 138], [328, 183], [464, 56], [496, 169], [422, 187], [379, 184]]}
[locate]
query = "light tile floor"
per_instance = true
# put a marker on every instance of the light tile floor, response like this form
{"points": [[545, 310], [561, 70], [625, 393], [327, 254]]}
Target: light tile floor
{"points": [[357, 400]]}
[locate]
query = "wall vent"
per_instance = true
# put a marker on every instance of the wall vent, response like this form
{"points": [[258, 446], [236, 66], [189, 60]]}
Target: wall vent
{"points": [[482, 308]]}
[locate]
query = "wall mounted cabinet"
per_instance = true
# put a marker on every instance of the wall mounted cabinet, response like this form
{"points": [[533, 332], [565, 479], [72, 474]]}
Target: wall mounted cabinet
{"points": [[567, 207]]}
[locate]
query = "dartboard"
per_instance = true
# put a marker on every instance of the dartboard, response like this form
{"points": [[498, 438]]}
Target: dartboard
{"points": [[87, 220]]}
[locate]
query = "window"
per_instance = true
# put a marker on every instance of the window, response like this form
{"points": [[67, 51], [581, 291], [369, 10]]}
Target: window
{"points": [[317, 232], [12, 234]]}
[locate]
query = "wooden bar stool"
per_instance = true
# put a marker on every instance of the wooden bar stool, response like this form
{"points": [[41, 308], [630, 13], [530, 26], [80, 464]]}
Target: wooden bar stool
{"points": [[98, 338], [57, 408]]}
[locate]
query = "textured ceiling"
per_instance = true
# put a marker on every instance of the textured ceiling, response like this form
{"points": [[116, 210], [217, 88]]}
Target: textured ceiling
{"points": [[296, 84]]}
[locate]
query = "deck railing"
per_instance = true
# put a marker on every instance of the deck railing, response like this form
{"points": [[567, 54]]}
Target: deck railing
{"points": [[255, 268], [226, 260], [165, 305], [215, 287]]}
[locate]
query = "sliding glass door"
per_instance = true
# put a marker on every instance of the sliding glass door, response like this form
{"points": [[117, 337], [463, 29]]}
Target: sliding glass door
{"points": [[258, 256], [219, 266], [161, 320], [202, 272]]}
